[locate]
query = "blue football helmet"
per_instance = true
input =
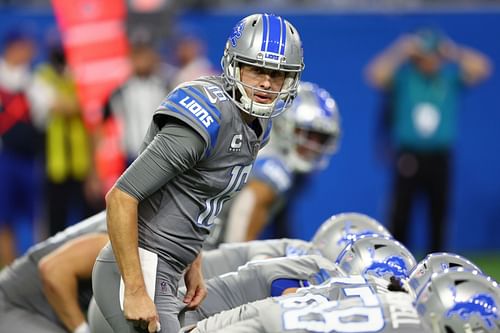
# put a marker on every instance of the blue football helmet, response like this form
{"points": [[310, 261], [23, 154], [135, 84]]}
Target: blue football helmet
{"points": [[266, 41]]}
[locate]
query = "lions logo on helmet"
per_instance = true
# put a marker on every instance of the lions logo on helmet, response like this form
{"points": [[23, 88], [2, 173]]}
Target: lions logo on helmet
{"points": [[380, 257], [265, 41], [460, 301], [342, 229]]}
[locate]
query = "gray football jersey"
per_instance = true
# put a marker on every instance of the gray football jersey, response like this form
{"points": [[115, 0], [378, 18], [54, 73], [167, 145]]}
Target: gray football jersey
{"points": [[228, 257], [256, 280], [174, 221], [21, 281], [351, 307], [271, 169]]}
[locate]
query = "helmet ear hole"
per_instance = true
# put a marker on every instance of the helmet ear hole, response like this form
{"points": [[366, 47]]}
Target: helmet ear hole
{"points": [[448, 329]]}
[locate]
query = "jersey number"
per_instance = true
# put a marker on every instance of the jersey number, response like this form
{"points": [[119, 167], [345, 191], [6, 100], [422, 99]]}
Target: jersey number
{"points": [[317, 314], [213, 205]]}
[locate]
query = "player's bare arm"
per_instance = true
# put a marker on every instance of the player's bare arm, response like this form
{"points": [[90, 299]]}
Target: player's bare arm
{"points": [[122, 229], [60, 272]]}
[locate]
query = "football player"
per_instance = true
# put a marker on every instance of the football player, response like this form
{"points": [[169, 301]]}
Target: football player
{"points": [[49, 288], [329, 240], [199, 150], [379, 256], [261, 279], [437, 263], [460, 301], [342, 304], [303, 140]]}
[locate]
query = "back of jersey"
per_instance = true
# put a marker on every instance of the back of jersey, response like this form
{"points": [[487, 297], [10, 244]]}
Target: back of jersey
{"points": [[21, 281], [347, 307]]}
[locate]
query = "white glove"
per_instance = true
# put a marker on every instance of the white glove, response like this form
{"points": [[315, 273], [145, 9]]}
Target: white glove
{"points": [[82, 328]]}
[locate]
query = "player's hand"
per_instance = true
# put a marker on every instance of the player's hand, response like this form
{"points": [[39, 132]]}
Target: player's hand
{"points": [[408, 45], [195, 285], [140, 309]]}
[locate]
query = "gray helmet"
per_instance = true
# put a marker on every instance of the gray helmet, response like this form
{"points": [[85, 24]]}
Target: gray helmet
{"points": [[437, 263], [313, 113], [377, 256], [342, 229], [266, 41], [460, 301]]}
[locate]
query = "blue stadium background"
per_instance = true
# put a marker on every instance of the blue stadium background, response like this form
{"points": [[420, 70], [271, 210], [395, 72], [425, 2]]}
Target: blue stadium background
{"points": [[337, 47]]}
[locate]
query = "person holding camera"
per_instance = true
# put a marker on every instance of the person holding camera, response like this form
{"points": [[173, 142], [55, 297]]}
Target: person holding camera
{"points": [[423, 75]]}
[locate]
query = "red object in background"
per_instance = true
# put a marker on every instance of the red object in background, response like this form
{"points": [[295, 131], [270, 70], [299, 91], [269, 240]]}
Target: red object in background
{"points": [[96, 47]]}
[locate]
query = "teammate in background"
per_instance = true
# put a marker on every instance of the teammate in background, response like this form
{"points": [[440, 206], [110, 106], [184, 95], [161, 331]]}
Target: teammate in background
{"points": [[460, 301], [381, 257], [435, 263], [199, 150], [49, 288], [329, 240], [303, 140]]}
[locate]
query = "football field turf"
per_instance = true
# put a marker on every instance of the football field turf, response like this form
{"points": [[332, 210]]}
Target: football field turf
{"points": [[488, 262]]}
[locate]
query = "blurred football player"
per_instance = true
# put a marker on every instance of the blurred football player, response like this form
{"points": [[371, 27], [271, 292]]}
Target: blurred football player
{"points": [[342, 229], [341, 304], [329, 240], [460, 301], [49, 288], [303, 140], [199, 150], [437, 263], [261, 279], [381, 257]]}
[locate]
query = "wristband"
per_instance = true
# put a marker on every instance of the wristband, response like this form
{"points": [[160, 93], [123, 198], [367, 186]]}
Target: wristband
{"points": [[82, 328]]}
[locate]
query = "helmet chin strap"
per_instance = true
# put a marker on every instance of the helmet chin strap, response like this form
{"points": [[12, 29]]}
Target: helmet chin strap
{"points": [[299, 163]]}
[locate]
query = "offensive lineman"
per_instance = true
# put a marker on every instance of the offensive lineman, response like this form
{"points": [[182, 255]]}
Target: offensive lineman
{"points": [[329, 240], [343, 304], [261, 279], [49, 288], [198, 151]]}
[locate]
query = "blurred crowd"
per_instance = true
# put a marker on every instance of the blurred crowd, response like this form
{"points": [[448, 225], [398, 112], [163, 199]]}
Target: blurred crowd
{"points": [[48, 168]]}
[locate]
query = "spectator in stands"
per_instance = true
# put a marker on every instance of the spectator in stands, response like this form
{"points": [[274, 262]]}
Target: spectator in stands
{"points": [[19, 144], [134, 102], [191, 60], [68, 156]]}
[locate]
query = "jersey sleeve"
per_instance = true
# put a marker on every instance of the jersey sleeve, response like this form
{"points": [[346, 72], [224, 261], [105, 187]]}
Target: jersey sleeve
{"points": [[174, 149], [274, 172], [191, 105]]}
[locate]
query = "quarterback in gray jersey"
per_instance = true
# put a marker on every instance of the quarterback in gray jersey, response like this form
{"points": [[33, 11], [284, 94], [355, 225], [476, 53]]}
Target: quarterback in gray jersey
{"points": [[49, 288], [343, 304], [261, 279], [198, 152], [302, 142]]}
